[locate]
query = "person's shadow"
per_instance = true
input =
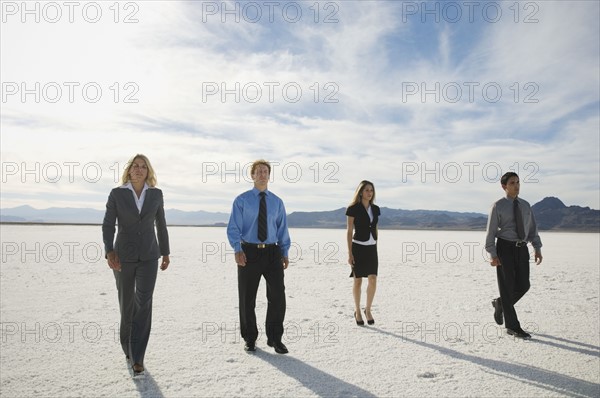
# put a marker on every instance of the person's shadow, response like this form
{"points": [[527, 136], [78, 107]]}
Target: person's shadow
{"points": [[147, 387], [582, 348], [321, 383], [546, 379]]}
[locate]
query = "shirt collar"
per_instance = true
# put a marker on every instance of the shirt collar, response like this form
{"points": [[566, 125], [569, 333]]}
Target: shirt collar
{"points": [[128, 185], [257, 191]]}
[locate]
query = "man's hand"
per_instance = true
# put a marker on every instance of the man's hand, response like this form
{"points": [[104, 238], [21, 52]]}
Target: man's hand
{"points": [[495, 262], [538, 258], [240, 258], [165, 263], [285, 261]]}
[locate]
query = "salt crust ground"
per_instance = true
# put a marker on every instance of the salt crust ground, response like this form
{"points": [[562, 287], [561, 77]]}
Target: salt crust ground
{"points": [[434, 333]]}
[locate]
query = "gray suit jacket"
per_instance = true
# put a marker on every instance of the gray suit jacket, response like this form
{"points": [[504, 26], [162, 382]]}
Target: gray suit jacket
{"points": [[136, 238]]}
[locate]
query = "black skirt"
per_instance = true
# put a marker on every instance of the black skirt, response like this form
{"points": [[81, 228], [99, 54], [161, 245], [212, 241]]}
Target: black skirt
{"points": [[365, 260]]}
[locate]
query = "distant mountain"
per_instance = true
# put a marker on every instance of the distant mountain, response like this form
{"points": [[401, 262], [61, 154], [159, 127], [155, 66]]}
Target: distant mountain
{"points": [[393, 219], [12, 219], [200, 217], [318, 219], [551, 214], [52, 215], [70, 215]]}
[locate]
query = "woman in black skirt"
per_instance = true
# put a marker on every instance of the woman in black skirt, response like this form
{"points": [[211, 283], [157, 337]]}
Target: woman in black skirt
{"points": [[362, 217]]}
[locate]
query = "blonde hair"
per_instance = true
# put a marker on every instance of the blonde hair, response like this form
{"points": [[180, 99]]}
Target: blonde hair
{"points": [[150, 179], [359, 190], [258, 163]]}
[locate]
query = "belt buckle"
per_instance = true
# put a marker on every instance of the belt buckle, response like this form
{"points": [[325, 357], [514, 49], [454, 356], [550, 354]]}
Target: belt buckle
{"points": [[521, 243], [261, 245]]}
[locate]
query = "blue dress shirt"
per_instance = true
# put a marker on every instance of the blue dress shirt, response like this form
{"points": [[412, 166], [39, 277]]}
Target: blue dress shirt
{"points": [[243, 222]]}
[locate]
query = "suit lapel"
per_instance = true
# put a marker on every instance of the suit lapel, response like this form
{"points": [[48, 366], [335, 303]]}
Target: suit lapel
{"points": [[366, 214], [129, 200]]}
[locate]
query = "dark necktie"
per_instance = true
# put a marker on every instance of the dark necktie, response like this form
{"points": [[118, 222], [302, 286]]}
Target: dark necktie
{"points": [[519, 220], [262, 218]]}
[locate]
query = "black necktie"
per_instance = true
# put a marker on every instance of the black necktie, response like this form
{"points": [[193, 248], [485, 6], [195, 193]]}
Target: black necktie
{"points": [[262, 218], [519, 220]]}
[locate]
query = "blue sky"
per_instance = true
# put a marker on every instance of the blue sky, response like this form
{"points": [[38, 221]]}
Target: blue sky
{"points": [[429, 104]]}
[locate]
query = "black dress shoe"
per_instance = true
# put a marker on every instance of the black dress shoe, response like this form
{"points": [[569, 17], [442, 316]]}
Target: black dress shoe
{"points": [[280, 348], [498, 315], [369, 321], [359, 323], [519, 333], [250, 346], [138, 370]]}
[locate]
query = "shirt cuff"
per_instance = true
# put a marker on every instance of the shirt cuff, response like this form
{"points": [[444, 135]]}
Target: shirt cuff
{"points": [[237, 247]]}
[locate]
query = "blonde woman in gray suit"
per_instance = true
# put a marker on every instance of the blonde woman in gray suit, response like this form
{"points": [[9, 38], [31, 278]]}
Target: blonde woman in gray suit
{"points": [[138, 206]]}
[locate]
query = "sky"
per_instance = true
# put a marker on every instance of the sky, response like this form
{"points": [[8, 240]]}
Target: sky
{"points": [[431, 101]]}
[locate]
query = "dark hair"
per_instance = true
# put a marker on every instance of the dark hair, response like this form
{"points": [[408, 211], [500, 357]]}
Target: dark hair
{"points": [[504, 179], [359, 190]]}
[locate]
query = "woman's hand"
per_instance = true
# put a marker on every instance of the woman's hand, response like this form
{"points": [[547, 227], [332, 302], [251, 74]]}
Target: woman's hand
{"points": [[113, 261]]}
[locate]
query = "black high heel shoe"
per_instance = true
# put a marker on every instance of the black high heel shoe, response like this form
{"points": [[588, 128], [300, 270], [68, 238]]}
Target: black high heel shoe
{"points": [[359, 323], [369, 321]]}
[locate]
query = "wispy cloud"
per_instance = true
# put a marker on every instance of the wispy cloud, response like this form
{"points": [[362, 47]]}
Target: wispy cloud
{"points": [[380, 92]]}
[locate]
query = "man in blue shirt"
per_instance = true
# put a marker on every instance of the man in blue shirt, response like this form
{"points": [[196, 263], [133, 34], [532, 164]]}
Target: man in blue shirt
{"points": [[258, 233], [511, 225]]}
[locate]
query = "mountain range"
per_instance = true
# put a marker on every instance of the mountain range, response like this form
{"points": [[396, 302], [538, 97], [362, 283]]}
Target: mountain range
{"points": [[550, 213]]}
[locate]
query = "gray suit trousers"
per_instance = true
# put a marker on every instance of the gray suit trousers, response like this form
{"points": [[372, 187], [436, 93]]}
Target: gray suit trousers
{"points": [[135, 285]]}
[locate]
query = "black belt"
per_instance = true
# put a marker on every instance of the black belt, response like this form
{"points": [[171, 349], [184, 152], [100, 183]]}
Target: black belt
{"points": [[519, 243], [259, 245]]}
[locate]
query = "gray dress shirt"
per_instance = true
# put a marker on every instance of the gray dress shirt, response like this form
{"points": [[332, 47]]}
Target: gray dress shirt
{"points": [[501, 224]]}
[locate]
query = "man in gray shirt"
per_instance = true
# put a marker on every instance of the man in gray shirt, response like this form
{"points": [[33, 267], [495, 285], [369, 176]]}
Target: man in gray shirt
{"points": [[511, 221]]}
